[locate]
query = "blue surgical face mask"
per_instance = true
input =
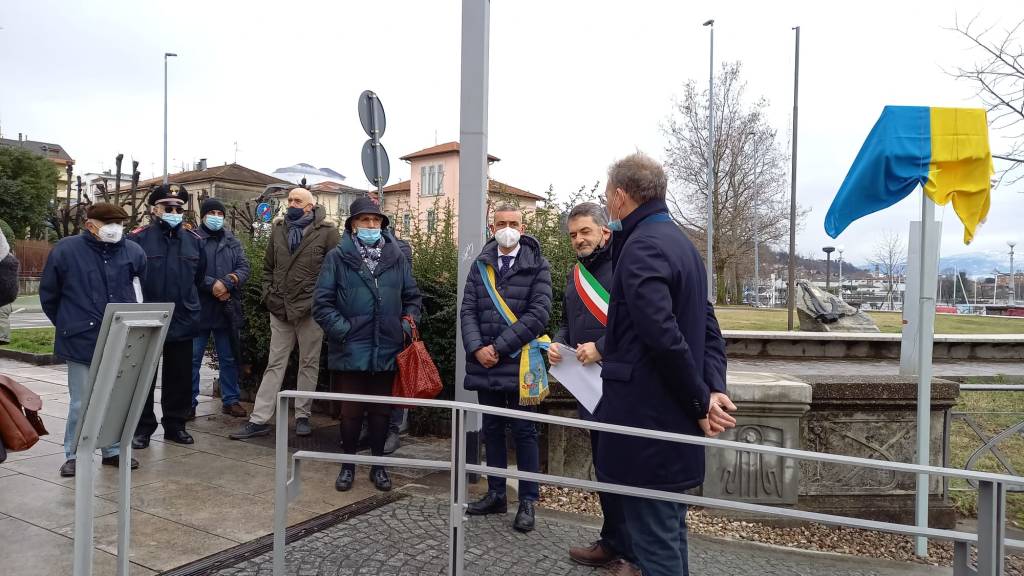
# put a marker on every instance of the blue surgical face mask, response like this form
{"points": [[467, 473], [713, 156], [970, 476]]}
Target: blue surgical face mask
{"points": [[214, 222], [615, 225], [172, 220], [295, 213], [368, 235]]}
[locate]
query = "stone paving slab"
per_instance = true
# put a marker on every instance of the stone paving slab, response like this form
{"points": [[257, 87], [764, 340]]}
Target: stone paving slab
{"points": [[410, 537], [29, 550]]}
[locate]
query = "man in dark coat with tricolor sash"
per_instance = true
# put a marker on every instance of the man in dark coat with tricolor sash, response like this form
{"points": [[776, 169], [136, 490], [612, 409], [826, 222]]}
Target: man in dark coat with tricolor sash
{"points": [[584, 318], [505, 310], [663, 366]]}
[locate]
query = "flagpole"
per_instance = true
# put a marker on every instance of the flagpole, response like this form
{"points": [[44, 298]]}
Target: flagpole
{"points": [[926, 305], [791, 278]]}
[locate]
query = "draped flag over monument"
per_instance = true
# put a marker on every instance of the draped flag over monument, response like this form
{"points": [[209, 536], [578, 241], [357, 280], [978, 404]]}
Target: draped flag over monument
{"points": [[944, 150]]}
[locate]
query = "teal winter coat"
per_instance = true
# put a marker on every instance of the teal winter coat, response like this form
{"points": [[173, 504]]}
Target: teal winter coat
{"points": [[361, 312]]}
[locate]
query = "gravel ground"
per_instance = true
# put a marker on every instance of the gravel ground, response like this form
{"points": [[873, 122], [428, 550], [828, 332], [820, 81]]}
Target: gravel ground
{"points": [[816, 537]]}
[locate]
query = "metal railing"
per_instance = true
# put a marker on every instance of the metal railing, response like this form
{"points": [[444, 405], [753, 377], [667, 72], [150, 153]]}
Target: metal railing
{"points": [[989, 443], [990, 540]]}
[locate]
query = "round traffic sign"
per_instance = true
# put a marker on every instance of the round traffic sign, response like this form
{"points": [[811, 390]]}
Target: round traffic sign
{"points": [[263, 212], [371, 114], [369, 158]]}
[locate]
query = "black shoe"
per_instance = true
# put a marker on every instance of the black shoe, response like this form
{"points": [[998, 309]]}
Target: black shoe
{"points": [[525, 517], [191, 414], [489, 504], [67, 470], [250, 430], [179, 437], [392, 443], [344, 481], [380, 479], [140, 442], [116, 461]]}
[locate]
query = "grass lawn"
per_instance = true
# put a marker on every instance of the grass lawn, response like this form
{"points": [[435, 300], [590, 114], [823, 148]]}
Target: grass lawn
{"points": [[746, 318], [34, 340], [1002, 410]]}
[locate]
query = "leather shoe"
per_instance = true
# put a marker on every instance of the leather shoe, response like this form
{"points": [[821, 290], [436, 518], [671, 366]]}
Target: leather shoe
{"points": [[179, 437], [67, 469], [595, 555], [491, 503], [623, 568], [525, 517], [344, 481], [116, 461], [140, 442], [235, 410], [380, 479]]}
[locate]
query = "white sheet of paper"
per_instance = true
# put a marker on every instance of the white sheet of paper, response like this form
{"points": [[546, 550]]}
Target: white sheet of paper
{"points": [[138, 289], [583, 382]]}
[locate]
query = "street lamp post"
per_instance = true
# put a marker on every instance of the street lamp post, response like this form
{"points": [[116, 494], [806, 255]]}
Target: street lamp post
{"points": [[828, 250], [166, 56], [1013, 287], [710, 227]]}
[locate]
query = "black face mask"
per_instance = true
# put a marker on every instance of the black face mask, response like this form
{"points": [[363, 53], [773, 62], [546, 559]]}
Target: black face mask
{"points": [[295, 213]]}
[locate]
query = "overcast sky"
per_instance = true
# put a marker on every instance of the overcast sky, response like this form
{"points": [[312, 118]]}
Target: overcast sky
{"points": [[574, 84]]}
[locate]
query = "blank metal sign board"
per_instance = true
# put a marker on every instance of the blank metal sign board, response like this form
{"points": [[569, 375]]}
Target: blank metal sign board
{"points": [[124, 362], [127, 352]]}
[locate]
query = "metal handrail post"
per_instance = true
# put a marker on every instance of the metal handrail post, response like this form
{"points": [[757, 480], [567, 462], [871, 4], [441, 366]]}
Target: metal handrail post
{"points": [[280, 487], [456, 547], [991, 527]]}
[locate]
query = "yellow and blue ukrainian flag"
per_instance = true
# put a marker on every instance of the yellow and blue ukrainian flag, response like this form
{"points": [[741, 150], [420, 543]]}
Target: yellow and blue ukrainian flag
{"points": [[944, 150]]}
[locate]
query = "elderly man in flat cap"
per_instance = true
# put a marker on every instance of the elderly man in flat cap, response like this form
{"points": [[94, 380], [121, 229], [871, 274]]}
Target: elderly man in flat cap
{"points": [[82, 275], [176, 262]]}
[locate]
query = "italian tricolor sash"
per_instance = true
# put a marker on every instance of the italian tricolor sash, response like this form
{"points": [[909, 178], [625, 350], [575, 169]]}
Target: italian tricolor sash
{"points": [[594, 296]]}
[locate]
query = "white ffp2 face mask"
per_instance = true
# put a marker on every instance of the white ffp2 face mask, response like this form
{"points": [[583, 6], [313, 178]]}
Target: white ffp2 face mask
{"points": [[507, 237], [110, 233]]}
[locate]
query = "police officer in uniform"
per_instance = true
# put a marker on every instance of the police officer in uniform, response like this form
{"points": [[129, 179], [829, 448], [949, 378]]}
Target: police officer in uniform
{"points": [[175, 265]]}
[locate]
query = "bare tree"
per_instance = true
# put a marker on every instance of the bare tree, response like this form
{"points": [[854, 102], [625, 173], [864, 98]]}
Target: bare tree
{"points": [[999, 79], [749, 198], [890, 257]]}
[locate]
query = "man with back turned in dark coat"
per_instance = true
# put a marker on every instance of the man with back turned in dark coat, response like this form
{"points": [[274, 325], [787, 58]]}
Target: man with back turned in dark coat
{"points": [[663, 365], [175, 270]]}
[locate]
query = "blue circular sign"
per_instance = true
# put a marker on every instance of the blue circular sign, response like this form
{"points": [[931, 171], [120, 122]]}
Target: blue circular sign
{"points": [[263, 212]]}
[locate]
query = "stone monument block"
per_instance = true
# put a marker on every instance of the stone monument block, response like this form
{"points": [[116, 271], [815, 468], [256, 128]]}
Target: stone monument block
{"points": [[769, 409]]}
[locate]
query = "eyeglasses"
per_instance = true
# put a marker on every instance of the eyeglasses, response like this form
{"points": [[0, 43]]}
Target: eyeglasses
{"points": [[174, 209]]}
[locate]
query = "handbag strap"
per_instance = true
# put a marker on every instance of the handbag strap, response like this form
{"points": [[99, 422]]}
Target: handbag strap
{"points": [[412, 324]]}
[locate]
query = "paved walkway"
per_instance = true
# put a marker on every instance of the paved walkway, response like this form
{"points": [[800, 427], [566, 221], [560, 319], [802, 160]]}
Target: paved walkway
{"points": [[410, 537]]}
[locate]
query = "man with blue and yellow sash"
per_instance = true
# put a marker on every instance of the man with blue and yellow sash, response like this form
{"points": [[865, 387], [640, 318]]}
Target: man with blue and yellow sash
{"points": [[504, 315]]}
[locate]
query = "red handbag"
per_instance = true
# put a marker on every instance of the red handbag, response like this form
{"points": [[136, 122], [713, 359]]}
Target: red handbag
{"points": [[20, 425], [417, 376]]}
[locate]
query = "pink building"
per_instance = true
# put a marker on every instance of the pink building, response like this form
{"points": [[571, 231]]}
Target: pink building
{"points": [[434, 184]]}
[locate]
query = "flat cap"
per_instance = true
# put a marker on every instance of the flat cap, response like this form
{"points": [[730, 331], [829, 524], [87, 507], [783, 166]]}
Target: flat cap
{"points": [[105, 212]]}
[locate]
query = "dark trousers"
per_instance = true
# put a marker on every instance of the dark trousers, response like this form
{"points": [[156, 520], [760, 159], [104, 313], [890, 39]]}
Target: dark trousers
{"points": [[175, 391], [614, 535], [657, 531], [379, 415], [397, 420], [524, 432]]}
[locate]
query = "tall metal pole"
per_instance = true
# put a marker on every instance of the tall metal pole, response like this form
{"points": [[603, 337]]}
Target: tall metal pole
{"points": [[1013, 283], [791, 281], [709, 262], [476, 24], [166, 56], [840, 273], [925, 335], [757, 261]]}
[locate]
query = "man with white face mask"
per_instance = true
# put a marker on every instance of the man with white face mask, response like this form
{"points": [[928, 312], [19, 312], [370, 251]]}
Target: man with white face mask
{"points": [[505, 311], [82, 275]]}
